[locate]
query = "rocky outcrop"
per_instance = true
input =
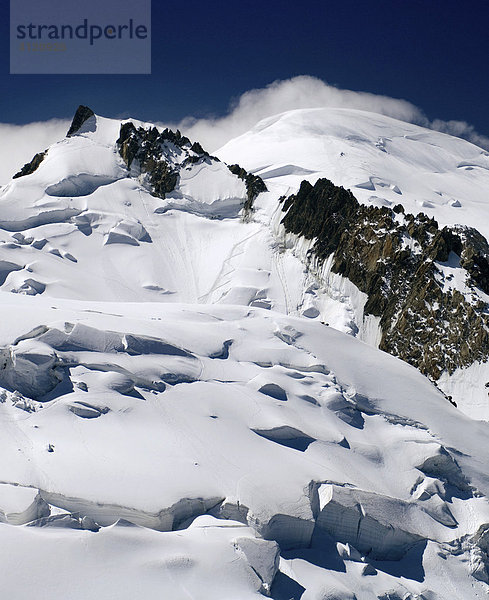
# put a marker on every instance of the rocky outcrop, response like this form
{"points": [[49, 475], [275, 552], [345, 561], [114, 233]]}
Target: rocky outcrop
{"points": [[83, 113], [161, 156], [146, 147], [32, 166], [404, 264], [254, 184]]}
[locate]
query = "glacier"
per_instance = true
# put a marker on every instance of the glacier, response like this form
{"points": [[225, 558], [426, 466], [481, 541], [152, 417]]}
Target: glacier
{"points": [[190, 409]]}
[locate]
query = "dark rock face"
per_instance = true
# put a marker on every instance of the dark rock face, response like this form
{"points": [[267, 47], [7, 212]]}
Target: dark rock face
{"points": [[254, 184], [83, 113], [397, 260], [152, 149], [30, 167], [149, 147]]}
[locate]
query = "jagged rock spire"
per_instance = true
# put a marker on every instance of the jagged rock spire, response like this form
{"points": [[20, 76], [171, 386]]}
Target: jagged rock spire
{"points": [[83, 113]]}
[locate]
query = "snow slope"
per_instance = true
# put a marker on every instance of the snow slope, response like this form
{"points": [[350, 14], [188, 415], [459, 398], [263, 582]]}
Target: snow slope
{"points": [[381, 160], [384, 162], [264, 419], [177, 422]]}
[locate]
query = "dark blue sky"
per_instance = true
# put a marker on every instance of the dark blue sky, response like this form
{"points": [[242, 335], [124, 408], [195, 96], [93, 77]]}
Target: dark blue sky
{"points": [[434, 53]]}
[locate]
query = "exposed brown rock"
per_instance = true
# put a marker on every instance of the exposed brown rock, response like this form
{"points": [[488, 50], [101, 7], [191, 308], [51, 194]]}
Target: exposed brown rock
{"points": [[432, 329], [30, 167]]}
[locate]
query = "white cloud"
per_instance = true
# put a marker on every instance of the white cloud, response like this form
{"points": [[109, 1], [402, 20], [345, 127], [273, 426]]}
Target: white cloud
{"points": [[280, 96], [310, 92], [21, 142]]}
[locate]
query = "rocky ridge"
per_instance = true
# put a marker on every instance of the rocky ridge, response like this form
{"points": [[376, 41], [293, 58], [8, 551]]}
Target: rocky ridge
{"points": [[403, 264], [161, 155]]}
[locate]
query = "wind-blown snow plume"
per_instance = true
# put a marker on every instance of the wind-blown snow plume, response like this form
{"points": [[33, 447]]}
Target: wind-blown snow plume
{"points": [[299, 92], [461, 129], [310, 92]]}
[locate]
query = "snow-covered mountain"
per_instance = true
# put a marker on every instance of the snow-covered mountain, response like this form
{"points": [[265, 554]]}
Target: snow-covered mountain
{"points": [[188, 405], [387, 164]]}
